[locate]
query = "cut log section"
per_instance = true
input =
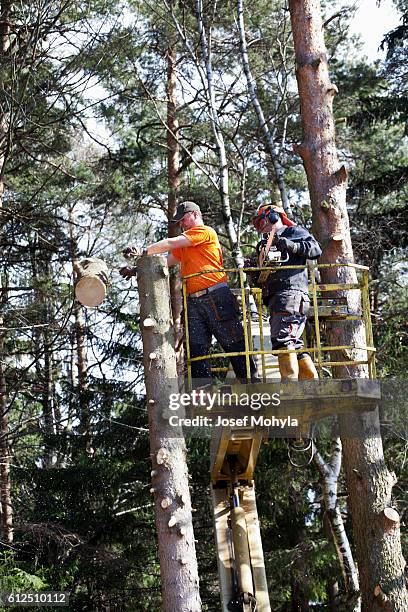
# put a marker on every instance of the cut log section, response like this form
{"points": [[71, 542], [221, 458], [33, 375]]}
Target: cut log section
{"points": [[92, 281]]}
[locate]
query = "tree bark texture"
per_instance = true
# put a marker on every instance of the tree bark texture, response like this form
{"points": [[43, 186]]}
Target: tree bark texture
{"points": [[369, 482], [330, 473], [5, 478], [173, 178], [82, 367], [178, 563], [5, 484], [253, 93], [91, 281]]}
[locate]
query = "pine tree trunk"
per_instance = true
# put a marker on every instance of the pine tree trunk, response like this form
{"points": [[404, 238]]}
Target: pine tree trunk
{"points": [[80, 345], [5, 483], [299, 574], [173, 168], [376, 528], [5, 479], [43, 353], [82, 388], [82, 366], [48, 393], [178, 563], [333, 595]]}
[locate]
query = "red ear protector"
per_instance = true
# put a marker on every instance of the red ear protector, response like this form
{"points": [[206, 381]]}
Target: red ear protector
{"points": [[265, 215], [272, 216], [270, 213]]}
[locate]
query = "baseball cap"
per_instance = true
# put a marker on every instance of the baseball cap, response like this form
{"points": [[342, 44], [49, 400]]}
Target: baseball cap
{"points": [[183, 208]]}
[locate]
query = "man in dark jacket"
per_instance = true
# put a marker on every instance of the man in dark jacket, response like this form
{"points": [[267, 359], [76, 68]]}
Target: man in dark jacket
{"points": [[285, 292]]}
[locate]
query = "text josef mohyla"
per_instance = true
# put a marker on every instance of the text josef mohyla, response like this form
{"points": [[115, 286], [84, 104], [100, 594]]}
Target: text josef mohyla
{"points": [[245, 421]]}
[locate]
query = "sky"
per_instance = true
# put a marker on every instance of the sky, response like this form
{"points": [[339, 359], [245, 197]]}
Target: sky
{"points": [[372, 22]]}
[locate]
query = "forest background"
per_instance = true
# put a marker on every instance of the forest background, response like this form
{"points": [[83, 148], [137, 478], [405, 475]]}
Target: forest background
{"points": [[77, 512]]}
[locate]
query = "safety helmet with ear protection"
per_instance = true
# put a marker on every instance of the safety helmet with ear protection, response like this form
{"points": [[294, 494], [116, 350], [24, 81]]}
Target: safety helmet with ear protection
{"points": [[270, 213]]}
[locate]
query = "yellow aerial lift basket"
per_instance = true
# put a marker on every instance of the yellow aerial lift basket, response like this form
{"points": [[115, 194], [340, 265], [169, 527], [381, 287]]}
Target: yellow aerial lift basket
{"points": [[234, 450]]}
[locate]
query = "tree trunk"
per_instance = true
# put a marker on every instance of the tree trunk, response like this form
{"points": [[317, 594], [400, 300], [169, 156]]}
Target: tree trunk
{"points": [[5, 482], [41, 270], [91, 281], [82, 367], [173, 178], [299, 572], [333, 595], [330, 474], [379, 556], [48, 394], [219, 140], [269, 138], [84, 415], [178, 563]]}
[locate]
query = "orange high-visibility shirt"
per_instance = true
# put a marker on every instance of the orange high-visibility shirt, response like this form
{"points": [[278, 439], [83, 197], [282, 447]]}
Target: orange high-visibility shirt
{"points": [[205, 254]]}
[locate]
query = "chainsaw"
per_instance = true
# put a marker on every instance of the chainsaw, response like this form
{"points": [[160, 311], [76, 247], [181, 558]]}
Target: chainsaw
{"points": [[269, 256]]}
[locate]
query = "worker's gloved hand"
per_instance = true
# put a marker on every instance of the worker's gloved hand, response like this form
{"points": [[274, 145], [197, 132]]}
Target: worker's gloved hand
{"points": [[127, 272], [261, 245], [250, 262], [285, 245], [132, 252]]}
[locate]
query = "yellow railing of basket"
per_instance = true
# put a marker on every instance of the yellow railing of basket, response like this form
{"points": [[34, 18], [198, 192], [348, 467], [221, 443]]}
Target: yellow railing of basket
{"points": [[314, 289]]}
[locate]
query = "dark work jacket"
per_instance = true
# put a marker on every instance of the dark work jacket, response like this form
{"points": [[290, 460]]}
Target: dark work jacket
{"points": [[284, 280]]}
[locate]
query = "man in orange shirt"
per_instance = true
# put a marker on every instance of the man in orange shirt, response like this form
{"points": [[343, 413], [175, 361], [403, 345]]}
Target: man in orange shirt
{"points": [[212, 308]]}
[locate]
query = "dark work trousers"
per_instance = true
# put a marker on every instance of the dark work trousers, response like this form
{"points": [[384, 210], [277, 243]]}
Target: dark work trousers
{"points": [[216, 314], [288, 315]]}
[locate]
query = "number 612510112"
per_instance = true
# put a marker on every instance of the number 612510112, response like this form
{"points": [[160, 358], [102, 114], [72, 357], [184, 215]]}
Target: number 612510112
{"points": [[37, 599]]}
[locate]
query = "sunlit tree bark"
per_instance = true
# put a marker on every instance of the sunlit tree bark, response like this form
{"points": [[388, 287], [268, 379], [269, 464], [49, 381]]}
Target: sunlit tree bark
{"points": [[178, 563], [380, 562]]}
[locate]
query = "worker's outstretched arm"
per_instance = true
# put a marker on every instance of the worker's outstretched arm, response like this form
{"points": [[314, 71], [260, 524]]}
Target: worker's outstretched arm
{"points": [[168, 245]]}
